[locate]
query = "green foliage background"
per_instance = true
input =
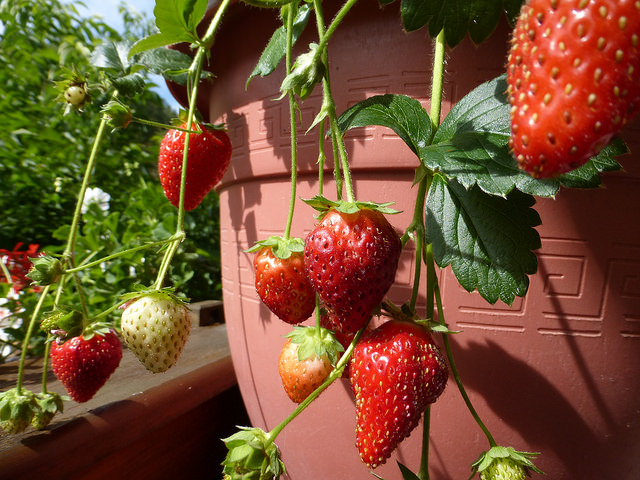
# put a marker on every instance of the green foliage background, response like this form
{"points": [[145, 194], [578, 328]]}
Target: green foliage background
{"points": [[43, 155]]}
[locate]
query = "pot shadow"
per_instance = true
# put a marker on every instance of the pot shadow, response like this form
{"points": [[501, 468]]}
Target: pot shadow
{"points": [[550, 422]]}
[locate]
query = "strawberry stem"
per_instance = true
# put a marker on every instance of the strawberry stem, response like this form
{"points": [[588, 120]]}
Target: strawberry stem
{"points": [[293, 126], [456, 375], [339, 149], [118, 254], [27, 338]]}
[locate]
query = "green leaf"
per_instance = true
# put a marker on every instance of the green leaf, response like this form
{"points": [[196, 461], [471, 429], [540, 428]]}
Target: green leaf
{"points": [[129, 85], [406, 473], [112, 56], [588, 176], [487, 240], [177, 21], [276, 48], [158, 40], [479, 18], [404, 115], [163, 60]]}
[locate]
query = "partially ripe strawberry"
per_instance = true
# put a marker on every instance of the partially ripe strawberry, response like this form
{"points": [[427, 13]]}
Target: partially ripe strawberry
{"points": [[283, 286], [208, 160], [156, 327], [573, 80], [351, 260], [396, 370], [306, 360], [84, 363]]}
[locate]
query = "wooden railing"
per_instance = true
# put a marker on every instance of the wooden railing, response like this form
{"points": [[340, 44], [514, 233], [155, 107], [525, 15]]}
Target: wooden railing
{"points": [[139, 425]]}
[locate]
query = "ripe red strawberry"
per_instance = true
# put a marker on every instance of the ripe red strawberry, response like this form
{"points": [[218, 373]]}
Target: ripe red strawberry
{"points": [[396, 371], [209, 157], [574, 80], [283, 285], [84, 363], [351, 260], [306, 360]]}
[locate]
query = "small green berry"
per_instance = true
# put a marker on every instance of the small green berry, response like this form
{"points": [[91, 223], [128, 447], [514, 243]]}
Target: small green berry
{"points": [[75, 95], [504, 469]]}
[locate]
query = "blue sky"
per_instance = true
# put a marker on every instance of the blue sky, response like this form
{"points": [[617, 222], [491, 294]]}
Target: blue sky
{"points": [[109, 11]]}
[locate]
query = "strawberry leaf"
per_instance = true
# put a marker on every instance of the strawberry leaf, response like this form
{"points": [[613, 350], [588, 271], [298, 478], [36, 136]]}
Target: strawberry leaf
{"points": [[177, 21], [487, 240], [406, 473], [402, 114], [276, 48], [112, 56], [587, 175], [477, 17]]}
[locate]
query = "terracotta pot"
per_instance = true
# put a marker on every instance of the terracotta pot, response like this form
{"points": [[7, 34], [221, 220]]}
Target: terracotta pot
{"points": [[556, 373]]}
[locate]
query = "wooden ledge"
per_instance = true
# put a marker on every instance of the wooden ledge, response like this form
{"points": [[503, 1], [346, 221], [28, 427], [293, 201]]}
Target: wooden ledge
{"points": [[139, 425]]}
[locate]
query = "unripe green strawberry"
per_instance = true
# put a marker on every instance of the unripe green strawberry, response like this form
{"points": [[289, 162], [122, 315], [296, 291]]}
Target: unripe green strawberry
{"points": [[504, 469], [49, 404], [156, 327], [17, 408]]}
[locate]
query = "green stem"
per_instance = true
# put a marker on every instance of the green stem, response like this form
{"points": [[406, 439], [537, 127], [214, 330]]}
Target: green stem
{"points": [[437, 81], [339, 148], [73, 233], [194, 76], [109, 310], [293, 126], [45, 366], [27, 337], [337, 20], [118, 254], [436, 107], [321, 159], [423, 473], [456, 374], [6, 272], [417, 226], [164, 126]]}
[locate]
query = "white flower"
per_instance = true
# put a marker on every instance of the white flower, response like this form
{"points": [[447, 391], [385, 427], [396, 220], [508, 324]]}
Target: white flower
{"points": [[97, 196]]}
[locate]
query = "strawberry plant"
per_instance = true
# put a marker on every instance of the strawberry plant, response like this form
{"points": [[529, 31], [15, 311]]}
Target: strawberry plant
{"points": [[542, 125]]}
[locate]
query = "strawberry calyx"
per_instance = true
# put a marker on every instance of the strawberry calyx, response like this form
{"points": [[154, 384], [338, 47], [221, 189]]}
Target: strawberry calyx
{"points": [[96, 328], [159, 293], [405, 313], [280, 246], [504, 463], [17, 408], [315, 342], [45, 270], [49, 404], [252, 454], [323, 205]]}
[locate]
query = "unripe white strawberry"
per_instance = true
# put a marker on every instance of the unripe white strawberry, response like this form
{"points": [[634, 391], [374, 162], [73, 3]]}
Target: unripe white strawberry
{"points": [[156, 327]]}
